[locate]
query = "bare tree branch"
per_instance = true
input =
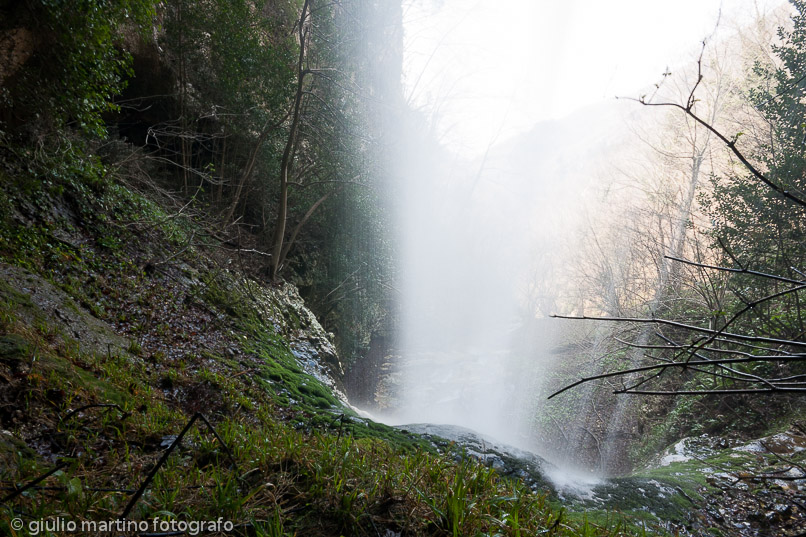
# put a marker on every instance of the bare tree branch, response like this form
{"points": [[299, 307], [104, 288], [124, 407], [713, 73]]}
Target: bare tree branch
{"points": [[731, 144], [740, 337], [741, 270]]}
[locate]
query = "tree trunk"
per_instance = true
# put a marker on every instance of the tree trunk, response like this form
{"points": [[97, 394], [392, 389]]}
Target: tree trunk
{"points": [[288, 153]]}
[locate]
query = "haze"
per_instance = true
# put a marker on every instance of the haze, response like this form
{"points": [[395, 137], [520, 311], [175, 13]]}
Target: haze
{"points": [[521, 98], [486, 70]]}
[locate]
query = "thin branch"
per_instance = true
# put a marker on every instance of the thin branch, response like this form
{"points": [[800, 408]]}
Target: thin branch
{"points": [[749, 377], [741, 270], [740, 337], [713, 392], [96, 405], [35, 482], [663, 366], [292, 239], [752, 357], [731, 144], [174, 444]]}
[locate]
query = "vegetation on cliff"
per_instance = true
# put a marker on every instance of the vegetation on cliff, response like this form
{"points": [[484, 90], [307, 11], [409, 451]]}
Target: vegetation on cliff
{"points": [[151, 367]]}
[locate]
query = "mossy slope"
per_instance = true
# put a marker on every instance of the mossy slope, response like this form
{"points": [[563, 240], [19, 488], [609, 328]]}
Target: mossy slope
{"points": [[121, 319]]}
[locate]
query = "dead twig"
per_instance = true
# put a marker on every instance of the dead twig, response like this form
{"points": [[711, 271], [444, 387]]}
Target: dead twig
{"points": [[33, 483], [176, 442], [97, 405]]}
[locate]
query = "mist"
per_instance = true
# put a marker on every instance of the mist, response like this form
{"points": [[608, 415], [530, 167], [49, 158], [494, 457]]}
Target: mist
{"points": [[485, 248], [507, 164]]}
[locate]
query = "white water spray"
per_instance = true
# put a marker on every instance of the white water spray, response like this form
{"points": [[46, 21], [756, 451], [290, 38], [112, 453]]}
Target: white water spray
{"points": [[481, 243], [485, 240]]}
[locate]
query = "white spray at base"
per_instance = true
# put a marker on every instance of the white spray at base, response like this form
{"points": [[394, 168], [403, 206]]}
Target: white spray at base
{"points": [[482, 248]]}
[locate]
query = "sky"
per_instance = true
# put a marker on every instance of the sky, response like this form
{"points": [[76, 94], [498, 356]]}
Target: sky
{"points": [[485, 70]]}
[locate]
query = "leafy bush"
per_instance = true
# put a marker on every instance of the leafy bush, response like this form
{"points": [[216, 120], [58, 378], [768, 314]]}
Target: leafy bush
{"points": [[77, 63]]}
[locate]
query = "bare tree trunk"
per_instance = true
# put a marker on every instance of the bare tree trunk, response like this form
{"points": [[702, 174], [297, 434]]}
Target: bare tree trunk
{"points": [[298, 227], [223, 166], [183, 140], [247, 173], [288, 154]]}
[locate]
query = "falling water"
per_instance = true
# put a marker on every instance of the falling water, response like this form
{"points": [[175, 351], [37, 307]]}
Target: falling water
{"points": [[482, 245], [488, 241]]}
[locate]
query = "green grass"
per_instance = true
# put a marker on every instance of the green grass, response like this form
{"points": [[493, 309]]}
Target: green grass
{"points": [[303, 463]]}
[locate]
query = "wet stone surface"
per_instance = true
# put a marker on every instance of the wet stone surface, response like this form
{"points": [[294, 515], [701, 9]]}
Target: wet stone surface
{"points": [[507, 460], [751, 489], [702, 486]]}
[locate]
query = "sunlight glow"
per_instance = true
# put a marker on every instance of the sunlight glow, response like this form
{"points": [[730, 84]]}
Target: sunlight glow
{"points": [[485, 71]]}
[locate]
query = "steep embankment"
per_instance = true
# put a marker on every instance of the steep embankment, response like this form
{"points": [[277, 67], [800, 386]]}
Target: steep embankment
{"points": [[161, 382]]}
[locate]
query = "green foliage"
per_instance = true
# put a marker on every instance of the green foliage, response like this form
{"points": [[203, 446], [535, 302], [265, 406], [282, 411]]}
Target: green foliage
{"points": [[344, 258], [232, 61], [763, 230], [779, 97], [753, 228], [78, 66], [345, 270], [248, 72]]}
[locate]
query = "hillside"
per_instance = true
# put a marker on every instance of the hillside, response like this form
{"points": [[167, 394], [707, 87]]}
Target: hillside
{"points": [[146, 376], [221, 220]]}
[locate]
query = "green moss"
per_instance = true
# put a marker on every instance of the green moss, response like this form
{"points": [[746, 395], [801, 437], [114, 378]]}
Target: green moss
{"points": [[14, 348], [64, 373], [343, 471], [217, 293], [14, 297], [14, 448]]}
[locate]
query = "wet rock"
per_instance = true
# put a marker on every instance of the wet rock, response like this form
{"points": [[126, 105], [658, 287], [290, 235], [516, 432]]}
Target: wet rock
{"points": [[782, 511], [282, 308], [694, 447], [780, 444], [310, 359], [506, 460], [35, 297]]}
